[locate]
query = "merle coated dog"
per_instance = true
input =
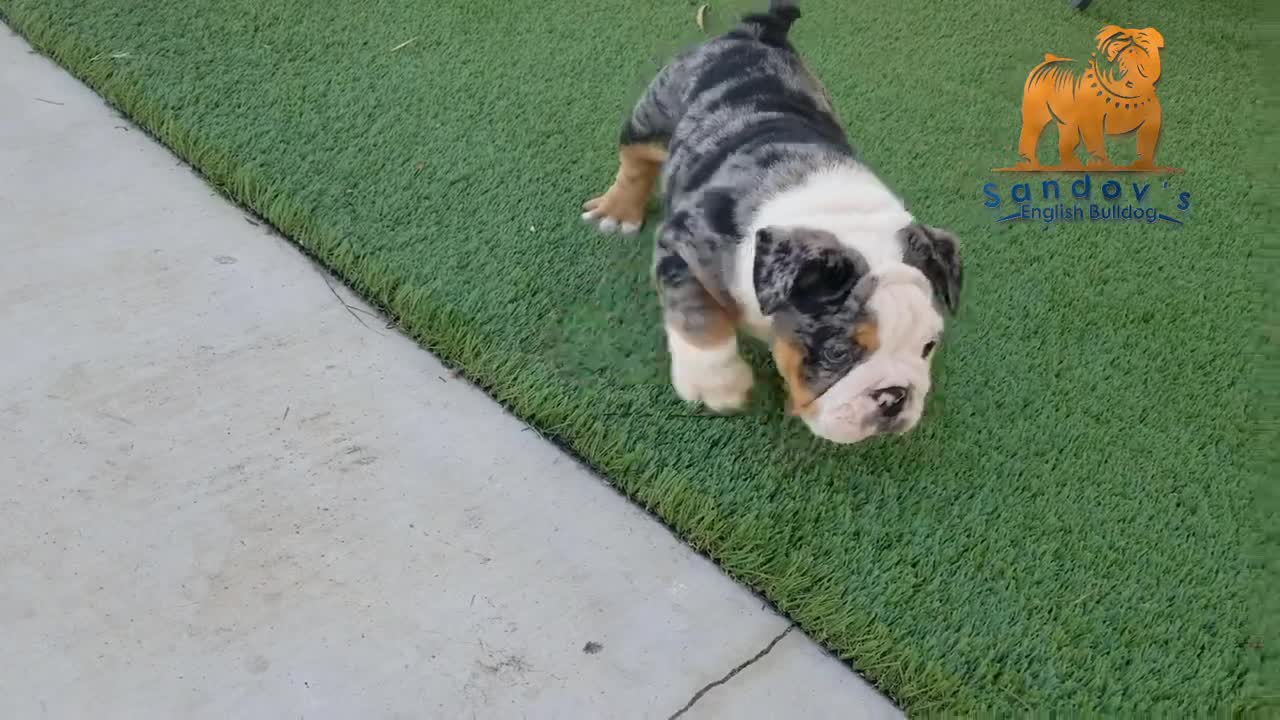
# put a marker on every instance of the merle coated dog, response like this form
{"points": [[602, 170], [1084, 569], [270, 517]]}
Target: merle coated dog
{"points": [[772, 225]]}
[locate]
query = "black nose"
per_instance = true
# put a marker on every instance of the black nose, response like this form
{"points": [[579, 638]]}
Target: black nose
{"points": [[891, 400]]}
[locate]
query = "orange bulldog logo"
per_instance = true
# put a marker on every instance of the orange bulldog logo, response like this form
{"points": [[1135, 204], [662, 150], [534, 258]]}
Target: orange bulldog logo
{"points": [[1114, 93]]}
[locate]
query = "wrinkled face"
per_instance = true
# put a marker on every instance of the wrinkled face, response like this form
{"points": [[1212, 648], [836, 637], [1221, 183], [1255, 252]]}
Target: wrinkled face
{"points": [[854, 347], [851, 380], [1135, 52]]}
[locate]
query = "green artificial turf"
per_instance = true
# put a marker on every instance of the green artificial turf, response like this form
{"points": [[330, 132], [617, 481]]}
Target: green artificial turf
{"points": [[1073, 526]]}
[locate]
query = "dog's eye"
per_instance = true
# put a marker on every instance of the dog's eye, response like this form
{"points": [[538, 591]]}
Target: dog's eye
{"points": [[928, 348], [835, 353]]}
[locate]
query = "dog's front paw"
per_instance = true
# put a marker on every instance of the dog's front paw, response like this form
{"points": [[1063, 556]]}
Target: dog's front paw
{"points": [[721, 384], [618, 210]]}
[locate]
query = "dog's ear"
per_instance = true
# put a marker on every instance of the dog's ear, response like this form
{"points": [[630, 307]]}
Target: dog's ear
{"points": [[1153, 37], [936, 253], [1112, 39], [803, 269]]}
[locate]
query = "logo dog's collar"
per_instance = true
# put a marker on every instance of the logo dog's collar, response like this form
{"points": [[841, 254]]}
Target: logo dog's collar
{"points": [[1097, 75]]}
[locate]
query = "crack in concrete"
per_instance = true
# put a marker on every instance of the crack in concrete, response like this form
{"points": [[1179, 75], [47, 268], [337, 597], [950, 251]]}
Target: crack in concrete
{"points": [[729, 676]]}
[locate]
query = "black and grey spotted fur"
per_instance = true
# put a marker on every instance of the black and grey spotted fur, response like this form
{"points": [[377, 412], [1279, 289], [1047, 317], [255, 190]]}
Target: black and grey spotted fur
{"points": [[743, 119]]}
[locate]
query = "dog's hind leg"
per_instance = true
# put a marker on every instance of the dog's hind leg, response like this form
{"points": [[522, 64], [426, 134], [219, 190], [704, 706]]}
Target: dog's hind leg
{"points": [[1035, 115], [655, 114], [622, 206], [642, 150], [701, 338]]}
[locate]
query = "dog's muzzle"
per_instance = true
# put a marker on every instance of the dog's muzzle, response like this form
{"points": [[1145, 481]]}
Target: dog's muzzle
{"points": [[848, 412]]}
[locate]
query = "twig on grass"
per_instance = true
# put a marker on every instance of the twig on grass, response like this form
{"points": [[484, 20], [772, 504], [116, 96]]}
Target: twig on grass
{"points": [[350, 309], [403, 44], [363, 311]]}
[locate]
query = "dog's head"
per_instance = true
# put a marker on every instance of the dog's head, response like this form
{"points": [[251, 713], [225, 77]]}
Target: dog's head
{"points": [[854, 347], [1134, 55]]}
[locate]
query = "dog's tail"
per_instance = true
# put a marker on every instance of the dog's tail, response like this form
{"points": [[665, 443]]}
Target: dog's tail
{"points": [[772, 26]]}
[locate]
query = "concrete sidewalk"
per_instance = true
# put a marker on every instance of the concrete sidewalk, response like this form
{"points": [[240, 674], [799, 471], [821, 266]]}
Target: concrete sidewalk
{"points": [[230, 491]]}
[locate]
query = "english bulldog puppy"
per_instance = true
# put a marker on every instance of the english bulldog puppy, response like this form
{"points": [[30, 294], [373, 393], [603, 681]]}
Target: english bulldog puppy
{"points": [[772, 225]]}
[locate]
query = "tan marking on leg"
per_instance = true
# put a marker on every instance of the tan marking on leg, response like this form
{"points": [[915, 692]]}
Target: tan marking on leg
{"points": [[789, 358], [713, 374], [648, 152], [867, 336], [714, 332], [715, 320], [625, 200]]}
